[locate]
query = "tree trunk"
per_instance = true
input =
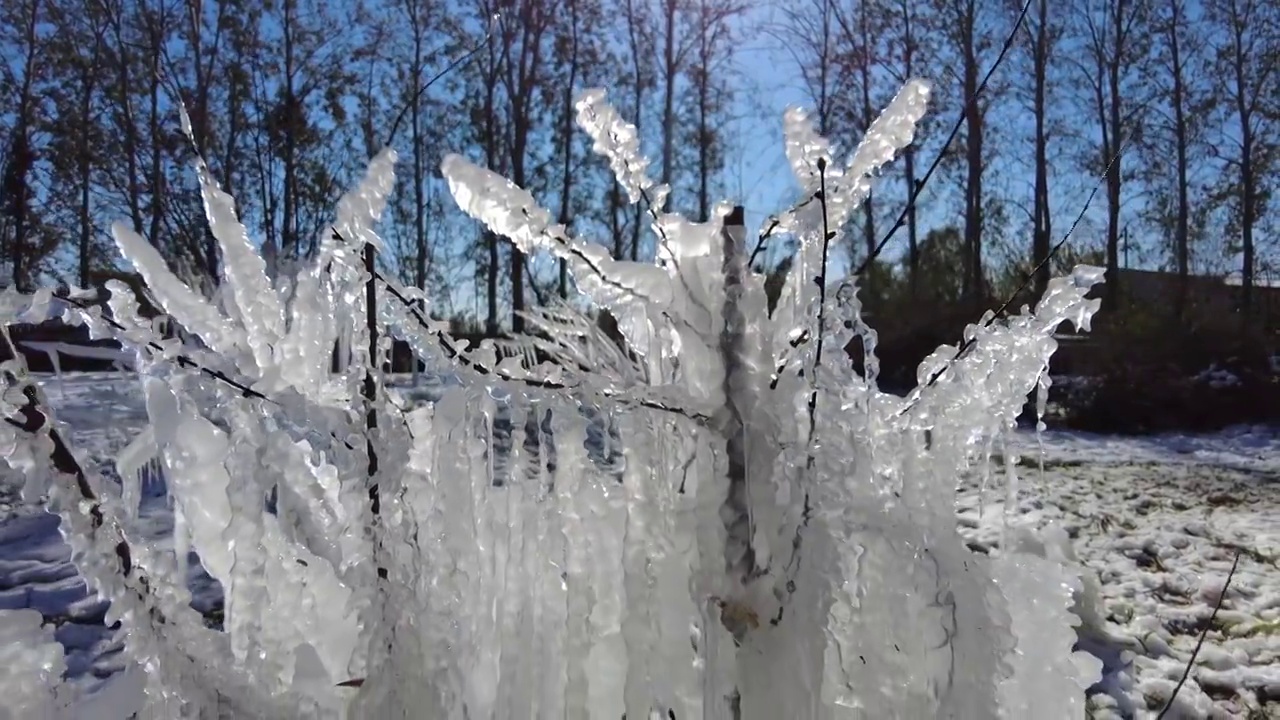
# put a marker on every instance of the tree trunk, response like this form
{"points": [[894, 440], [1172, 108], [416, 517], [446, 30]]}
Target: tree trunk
{"points": [[154, 35], [84, 157], [128, 128], [1182, 227], [973, 158], [419, 170], [669, 92], [909, 159], [1114, 177], [868, 116], [1246, 96], [566, 137], [491, 158], [1248, 207], [1041, 239], [637, 64], [16, 182], [289, 117]]}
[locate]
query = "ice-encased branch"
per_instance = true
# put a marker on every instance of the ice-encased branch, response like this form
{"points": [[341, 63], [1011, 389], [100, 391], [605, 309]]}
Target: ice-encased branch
{"points": [[512, 212], [845, 188], [638, 294], [465, 362], [619, 141], [260, 310]]}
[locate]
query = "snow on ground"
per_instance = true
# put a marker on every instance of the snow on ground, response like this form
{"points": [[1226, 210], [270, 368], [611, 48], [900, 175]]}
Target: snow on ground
{"points": [[1156, 520], [1160, 535]]}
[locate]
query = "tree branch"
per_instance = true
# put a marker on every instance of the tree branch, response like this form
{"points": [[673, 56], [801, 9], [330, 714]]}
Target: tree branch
{"points": [[34, 421], [456, 355], [971, 340]]}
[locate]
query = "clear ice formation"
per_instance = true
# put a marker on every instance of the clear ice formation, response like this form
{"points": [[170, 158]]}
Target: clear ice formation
{"points": [[520, 583]]}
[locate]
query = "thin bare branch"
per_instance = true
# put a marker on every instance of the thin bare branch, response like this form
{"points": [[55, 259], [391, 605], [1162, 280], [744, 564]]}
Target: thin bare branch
{"points": [[1191, 661]]}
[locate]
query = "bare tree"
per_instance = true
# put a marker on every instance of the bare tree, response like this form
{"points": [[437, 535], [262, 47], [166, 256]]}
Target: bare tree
{"points": [[75, 51], [1177, 73], [1113, 54], [969, 33], [810, 32], [901, 62], [1042, 35], [304, 72], [488, 132], [570, 46], [674, 50], [640, 48], [420, 14], [708, 77], [153, 23], [120, 56], [522, 44], [206, 39], [860, 28], [16, 180], [1246, 64]]}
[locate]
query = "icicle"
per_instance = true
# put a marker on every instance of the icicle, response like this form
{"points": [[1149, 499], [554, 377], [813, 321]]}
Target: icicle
{"points": [[132, 465], [181, 548], [51, 351], [1042, 401], [986, 478], [1011, 460], [186, 305]]}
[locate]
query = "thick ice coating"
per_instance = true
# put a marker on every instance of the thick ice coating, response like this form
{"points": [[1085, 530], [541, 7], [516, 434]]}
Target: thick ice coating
{"points": [[525, 576]]}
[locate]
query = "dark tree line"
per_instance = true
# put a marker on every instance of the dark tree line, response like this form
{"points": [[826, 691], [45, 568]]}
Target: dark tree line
{"points": [[1173, 105], [288, 98]]}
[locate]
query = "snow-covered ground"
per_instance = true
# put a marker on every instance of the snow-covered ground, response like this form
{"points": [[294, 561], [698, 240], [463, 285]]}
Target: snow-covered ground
{"points": [[1159, 520]]}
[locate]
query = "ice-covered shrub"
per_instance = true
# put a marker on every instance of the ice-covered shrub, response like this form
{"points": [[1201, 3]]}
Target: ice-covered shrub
{"points": [[778, 542]]}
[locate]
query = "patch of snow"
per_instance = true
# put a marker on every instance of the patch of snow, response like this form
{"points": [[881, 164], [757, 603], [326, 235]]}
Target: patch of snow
{"points": [[1155, 538]]}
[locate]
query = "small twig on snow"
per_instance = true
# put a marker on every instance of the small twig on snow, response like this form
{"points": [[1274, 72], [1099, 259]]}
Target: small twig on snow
{"points": [[1186, 672]]}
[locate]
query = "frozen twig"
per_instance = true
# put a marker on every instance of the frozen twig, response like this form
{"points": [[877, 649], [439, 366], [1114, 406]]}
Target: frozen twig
{"points": [[34, 420], [370, 392], [821, 281], [776, 221], [456, 355], [187, 362], [793, 564], [969, 342]]}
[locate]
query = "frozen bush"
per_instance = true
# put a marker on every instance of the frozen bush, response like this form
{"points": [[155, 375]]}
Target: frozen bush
{"points": [[781, 540]]}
